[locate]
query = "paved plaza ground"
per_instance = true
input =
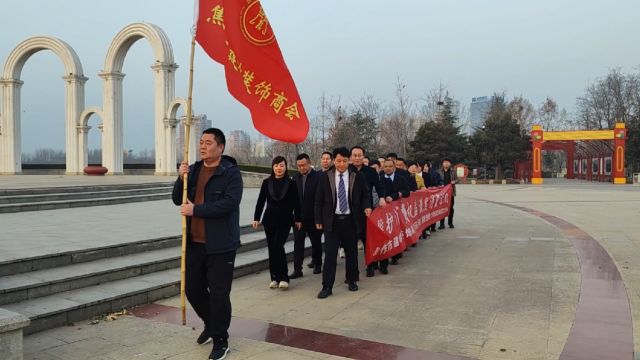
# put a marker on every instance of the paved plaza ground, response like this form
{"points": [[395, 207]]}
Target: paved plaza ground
{"points": [[520, 277]]}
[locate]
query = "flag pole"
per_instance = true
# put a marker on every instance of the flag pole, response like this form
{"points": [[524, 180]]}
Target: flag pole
{"points": [[187, 135]]}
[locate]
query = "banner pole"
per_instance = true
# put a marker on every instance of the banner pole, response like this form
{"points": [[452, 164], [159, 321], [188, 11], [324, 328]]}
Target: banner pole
{"points": [[187, 135]]}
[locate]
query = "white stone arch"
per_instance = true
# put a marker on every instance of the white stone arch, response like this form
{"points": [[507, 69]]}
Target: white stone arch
{"points": [[10, 147], [195, 121], [83, 132], [164, 78]]}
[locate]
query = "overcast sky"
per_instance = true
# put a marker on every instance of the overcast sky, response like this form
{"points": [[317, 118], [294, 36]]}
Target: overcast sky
{"points": [[534, 48]]}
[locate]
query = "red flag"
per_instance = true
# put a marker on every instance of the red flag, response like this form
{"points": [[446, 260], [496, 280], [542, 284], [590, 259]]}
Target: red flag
{"points": [[237, 34]]}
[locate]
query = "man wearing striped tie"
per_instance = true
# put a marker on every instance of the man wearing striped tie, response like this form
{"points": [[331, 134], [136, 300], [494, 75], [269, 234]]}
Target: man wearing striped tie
{"points": [[342, 204]]}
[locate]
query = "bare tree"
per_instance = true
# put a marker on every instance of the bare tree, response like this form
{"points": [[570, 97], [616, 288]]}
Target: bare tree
{"points": [[400, 125], [432, 103], [523, 112], [548, 114]]}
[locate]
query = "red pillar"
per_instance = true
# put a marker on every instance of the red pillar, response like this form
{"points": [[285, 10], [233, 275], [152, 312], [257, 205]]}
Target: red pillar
{"points": [[619, 135], [571, 150], [536, 155]]}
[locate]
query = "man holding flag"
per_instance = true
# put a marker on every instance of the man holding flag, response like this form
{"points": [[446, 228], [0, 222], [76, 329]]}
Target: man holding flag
{"points": [[237, 34], [214, 187]]}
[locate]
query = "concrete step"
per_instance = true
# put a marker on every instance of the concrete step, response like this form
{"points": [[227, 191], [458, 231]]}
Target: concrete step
{"points": [[249, 238], [67, 307], [52, 205], [34, 284], [76, 195], [81, 188]]}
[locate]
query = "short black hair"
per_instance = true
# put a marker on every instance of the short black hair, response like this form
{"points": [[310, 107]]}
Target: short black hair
{"points": [[374, 162], [303, 156], [392, 155], [342, 151], [218, 135], [401, 159], [328, 153], [357, 147], [277, 160], [411, 163]]}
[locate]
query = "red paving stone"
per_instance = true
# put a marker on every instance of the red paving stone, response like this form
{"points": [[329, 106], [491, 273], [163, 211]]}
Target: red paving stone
{"points": [[602, 328], [311, 340]]}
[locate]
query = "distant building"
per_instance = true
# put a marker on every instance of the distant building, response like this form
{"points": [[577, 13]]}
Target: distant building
{"points": [[478, 112], [260, 147], [238, 142]]}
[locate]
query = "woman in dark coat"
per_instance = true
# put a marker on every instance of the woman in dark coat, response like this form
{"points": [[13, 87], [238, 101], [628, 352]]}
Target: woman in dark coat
{"points": [[283, 208], [431, 179]]}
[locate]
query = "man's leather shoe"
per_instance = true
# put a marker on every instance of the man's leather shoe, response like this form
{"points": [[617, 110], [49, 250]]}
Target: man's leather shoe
{"points": [[451, 226], [384, 270], [204, 337], [441, 227], [295, 274], [370, 272], [311, 265], [325, 293], [317, 270], [353, 286]]}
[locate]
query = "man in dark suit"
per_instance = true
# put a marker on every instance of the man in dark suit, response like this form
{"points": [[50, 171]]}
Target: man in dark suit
{"points": [[395, 187], [373, 183], [341, 206], [448, 176], [307, 182], [401, 169]]}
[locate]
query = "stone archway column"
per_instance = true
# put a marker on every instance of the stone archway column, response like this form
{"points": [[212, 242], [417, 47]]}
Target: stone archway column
{"points": [[170, 145], [74, 102], [194, 140], [112, 122], [164, 79], [10, 156], [83, 141]]}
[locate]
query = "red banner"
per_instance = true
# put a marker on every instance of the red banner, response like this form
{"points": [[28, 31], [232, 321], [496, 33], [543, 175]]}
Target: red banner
{"points": [[237, 34], [392, 228]]}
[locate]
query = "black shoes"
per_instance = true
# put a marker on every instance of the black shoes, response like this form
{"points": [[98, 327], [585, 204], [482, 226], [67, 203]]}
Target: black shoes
{"points": [[317, 269], [394, 261], [219, 351], [414, 245], [370, 272], [325, 293], [451, 226], [353, 286], [311, 265], [441, 227], [203, 338], [295, 274], [384, 270]]}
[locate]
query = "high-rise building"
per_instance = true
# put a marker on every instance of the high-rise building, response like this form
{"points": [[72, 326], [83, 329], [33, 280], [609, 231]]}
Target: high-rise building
{"points": [[238, 142], [478, 112]]}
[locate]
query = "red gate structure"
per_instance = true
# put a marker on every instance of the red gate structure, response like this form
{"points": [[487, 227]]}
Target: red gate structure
{"points": [[591, 154]]}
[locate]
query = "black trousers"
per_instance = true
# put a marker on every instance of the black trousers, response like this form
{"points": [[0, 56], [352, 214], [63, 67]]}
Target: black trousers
{"points": [[450, 218], [299, 237], [277, 235], [208, 288], [376, 264], [343, 233]]}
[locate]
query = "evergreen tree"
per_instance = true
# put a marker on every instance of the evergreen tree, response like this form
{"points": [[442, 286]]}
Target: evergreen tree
{"points": [[502, 141], [438, 139]]}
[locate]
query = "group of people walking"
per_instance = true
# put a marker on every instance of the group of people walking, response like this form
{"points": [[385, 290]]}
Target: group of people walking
{"points": [[332, 202], [335, 202]]}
